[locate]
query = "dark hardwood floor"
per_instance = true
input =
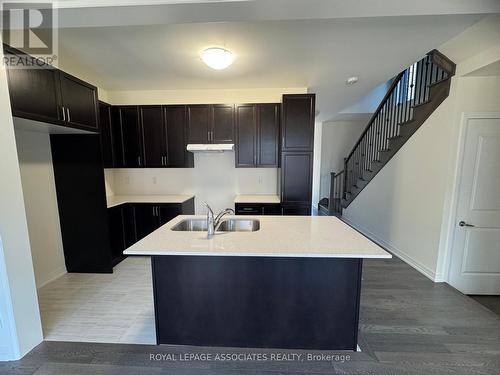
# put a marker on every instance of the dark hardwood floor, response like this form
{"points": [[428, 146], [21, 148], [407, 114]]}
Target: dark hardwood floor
{"points": [[490, 302], [409, 325]]}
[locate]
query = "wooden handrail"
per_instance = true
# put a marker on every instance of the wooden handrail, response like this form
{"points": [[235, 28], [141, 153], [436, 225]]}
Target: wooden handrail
{"points": [[377, 111]]}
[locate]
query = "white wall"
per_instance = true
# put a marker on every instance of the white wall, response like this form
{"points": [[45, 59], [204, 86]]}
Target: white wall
{"points": [[20, 325], [40, 200], [202, 96], [337, 140], [214, 180], [407, 206]]}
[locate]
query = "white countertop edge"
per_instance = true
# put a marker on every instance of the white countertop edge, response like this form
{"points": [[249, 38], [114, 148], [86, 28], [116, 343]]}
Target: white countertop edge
{"points": [[272, 255], [146, 199]]}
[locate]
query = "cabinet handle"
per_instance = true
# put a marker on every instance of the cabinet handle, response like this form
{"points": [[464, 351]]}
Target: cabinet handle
{"points": [[139, 160], [157, 211], [69, 117], [64, 113]]}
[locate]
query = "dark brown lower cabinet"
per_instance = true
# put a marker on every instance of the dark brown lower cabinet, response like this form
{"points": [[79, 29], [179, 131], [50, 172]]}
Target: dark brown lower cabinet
{"points": [[257, 209], [117, 239], [296, 210]]}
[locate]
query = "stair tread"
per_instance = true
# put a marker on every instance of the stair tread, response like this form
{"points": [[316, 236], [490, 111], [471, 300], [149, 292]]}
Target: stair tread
{"points": [[421, 104], [438, 82], [395, 137]]}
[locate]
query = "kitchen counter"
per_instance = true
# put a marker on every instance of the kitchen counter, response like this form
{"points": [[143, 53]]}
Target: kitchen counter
{"points": [[259, 198], [116, 200], [293, 284], [278, 236]]}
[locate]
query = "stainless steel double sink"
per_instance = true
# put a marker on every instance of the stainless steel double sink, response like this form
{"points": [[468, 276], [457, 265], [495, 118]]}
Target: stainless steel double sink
{"points": [[229, 225]]}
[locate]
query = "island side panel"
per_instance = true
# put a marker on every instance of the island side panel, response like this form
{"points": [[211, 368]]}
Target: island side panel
{"points": [[257, 302]]}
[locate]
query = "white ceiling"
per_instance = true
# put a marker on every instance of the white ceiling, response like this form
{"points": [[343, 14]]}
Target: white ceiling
{"points": [[319, 54]]}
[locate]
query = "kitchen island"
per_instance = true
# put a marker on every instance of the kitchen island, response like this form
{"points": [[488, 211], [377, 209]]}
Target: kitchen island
{"points": [[292, 283]]}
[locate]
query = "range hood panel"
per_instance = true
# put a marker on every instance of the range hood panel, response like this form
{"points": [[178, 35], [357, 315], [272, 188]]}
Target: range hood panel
{"points": [[210, 147]]}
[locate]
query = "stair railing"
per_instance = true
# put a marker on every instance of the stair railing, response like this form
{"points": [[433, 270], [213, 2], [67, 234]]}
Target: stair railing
{"points": [[336, 193], [407, 90]]}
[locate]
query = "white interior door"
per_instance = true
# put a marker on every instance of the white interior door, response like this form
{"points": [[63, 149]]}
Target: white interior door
{"points": [[475, 261]]}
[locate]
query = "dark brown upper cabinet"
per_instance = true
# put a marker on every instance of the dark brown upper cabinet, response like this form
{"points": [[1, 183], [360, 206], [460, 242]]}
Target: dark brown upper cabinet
{"points": [[49, 95], [222, 123], [246, 135], [107, 143], [210, 123], [79, 102], [175, 124], [298, 112], [198, 123], [128, 116], [151, 136], [257, 135], [154, 136], [268, 130], [34, 93]]}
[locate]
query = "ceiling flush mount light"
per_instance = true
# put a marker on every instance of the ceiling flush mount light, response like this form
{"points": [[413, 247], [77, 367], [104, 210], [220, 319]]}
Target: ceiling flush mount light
{"points": [[351, 81], [217, 58]]}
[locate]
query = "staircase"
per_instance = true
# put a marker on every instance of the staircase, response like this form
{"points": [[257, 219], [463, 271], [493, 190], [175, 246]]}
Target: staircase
{"points": [[413, 95]]}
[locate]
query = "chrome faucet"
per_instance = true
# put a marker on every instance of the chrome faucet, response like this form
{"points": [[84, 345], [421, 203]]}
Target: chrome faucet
{"points": [[214, 221]]}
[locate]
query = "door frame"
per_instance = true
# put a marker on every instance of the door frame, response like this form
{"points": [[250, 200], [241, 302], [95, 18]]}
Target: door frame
{"points": [[450, 231]]}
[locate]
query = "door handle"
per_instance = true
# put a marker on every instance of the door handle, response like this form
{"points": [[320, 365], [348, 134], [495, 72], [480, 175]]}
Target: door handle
{"points": [[464, 224]]}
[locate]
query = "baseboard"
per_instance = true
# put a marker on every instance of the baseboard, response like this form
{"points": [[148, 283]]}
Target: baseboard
{"points": [[426, 271], [52, 276]]}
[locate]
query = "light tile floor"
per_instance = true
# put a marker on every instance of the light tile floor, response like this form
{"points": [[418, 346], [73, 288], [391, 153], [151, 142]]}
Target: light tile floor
{"points": [[109, 308]]}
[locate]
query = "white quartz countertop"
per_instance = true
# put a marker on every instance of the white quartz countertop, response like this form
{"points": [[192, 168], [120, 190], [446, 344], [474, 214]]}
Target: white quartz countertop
{"points": [[116, 200], [278, 236], [257, 199]]}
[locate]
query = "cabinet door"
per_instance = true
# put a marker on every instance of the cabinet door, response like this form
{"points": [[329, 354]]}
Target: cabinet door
{"points": [[146, 219], [298, 122], [116, 231], [168, 212], [268, 123], [154, 140], [129, 228], [176, 122], [131, 136], [296, 177], [117, 137], [80, 101], [198, 123], [34, 93], [106, 135], [296, 210], [245, 135], [222, 129], [271, 209]]}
